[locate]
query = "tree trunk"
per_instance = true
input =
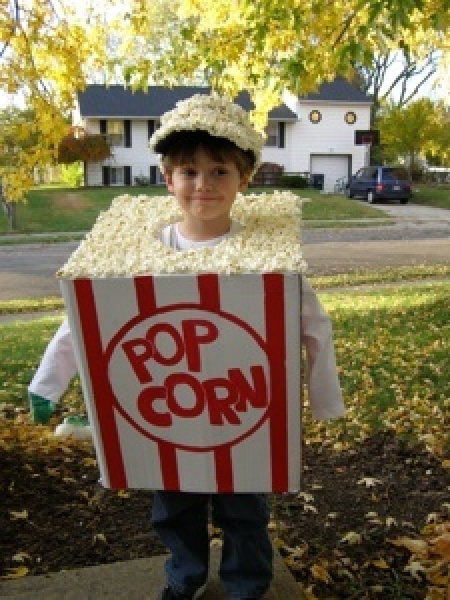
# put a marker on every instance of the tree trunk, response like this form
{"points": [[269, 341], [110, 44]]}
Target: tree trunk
{"points": [[12, 215]]}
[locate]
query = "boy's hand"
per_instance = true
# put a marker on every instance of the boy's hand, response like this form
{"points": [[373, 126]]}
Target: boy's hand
{"points": [[41, 409]]}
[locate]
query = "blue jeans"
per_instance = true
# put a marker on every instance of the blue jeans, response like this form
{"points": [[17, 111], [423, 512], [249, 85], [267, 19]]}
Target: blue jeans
{"points": [[181, 522]]}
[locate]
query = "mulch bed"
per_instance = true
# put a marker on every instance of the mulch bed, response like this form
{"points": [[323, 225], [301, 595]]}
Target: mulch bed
{"points": [[336, 535]]}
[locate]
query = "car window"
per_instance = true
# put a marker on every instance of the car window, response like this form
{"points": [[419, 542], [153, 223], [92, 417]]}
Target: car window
{"points": [[395, 173]]}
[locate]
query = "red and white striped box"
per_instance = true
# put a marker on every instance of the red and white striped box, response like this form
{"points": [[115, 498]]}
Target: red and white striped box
{"points": [[192, 383]]}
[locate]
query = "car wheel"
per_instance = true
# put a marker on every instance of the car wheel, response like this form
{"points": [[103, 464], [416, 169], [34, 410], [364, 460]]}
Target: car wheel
{"points": [[404, 201], [370, 197], [348, 193]]}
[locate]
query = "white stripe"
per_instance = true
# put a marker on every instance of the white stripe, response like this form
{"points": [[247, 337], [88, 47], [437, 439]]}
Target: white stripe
{"points": [[252, 460], [140, 457], [293, 367], [197, 471]]}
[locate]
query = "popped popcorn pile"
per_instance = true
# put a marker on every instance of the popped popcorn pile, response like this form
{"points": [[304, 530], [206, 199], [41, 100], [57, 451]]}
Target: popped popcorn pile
{"points": [[215, 114], [125, 240]]}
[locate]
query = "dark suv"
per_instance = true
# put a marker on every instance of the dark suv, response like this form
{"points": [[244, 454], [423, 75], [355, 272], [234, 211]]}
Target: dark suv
{"points": [[380, 183]]}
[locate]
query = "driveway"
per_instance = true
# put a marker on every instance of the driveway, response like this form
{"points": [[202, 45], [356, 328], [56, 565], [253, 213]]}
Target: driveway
{"points": [[415, 214]]}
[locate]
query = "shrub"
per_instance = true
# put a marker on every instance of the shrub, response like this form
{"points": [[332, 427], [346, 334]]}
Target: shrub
{"points": [[293, 181]]}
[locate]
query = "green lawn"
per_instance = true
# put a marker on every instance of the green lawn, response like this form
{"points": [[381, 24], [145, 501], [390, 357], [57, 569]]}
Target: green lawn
{"points": [[392, 348], [438, 196], [56, 209], [51, 210]]}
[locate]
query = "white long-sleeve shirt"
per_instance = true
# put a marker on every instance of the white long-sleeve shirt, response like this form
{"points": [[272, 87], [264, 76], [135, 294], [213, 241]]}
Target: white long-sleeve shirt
{"points": [[58, 365]]}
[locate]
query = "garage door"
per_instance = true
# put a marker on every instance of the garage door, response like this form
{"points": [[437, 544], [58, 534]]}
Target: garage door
{"points": [[333, 166]]}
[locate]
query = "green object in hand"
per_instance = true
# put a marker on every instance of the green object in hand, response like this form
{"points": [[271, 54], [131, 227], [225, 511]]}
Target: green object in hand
{"points": [[41, 409]]}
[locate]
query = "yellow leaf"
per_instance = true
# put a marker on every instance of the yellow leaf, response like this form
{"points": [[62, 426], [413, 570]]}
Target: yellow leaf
{"points": [[89, 462], [441, 545], [15, 573], [352, 538], [319, 572], [14, 514], [123, 494], [418, 547], [446, 464], [53, 472], [380, 563]]}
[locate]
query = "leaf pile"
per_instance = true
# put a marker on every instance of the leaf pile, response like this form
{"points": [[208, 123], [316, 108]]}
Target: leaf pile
{"points": [[337, 536]]}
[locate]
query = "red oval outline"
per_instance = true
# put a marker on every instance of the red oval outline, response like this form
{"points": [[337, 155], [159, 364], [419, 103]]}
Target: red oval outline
{"points": [[176, 307]]}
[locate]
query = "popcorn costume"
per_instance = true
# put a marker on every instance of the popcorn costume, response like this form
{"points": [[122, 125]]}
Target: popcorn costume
{"points": [[139, 235]]}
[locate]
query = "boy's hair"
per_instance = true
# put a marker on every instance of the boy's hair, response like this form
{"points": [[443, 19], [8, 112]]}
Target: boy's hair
{"points": [[179, 148]]}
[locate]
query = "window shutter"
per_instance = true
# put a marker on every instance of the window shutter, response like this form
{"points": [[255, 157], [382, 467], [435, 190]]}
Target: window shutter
{"points": [[103, 127], [151, 127], [127, 130], [281, 134], [127, 175], [105, 176]]}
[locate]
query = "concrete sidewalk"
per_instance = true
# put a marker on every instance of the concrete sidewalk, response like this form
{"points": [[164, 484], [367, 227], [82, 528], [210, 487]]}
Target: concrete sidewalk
{"points": [[140, 579]]}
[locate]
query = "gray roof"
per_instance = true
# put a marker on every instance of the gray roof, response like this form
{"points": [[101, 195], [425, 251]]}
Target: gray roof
{"points": [[339, 90], [115, 101]]}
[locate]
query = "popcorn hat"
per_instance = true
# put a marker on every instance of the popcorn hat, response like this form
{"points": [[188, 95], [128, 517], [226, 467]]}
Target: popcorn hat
{"points": [[214, 114]]}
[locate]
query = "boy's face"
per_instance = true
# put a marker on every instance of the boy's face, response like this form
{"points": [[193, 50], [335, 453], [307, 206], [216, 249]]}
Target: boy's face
{"points": [[206, 189]]}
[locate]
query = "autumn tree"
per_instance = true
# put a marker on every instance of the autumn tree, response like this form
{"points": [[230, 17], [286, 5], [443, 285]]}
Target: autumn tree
{"points": [[49, 51], [83, 148], [410, 132]]}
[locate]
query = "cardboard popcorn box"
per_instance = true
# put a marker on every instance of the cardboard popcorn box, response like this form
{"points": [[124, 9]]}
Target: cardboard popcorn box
{"points": [[192, 382]]}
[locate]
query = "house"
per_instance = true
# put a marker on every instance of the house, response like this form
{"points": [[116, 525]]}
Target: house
{"points": [[314, 133]]}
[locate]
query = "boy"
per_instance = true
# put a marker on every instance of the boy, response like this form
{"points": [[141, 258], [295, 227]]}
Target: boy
{"points": [[209, 152]]}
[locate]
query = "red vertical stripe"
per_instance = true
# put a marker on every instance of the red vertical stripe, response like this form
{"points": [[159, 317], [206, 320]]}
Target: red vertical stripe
{"points": [[145, 294], [208, 287], [209, 291], [146, 299], [224, 470], [98, 372], [169, 466], [276, 345]]}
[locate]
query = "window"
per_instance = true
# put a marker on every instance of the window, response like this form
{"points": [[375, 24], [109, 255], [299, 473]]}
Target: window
{"points": [[275, 133], [272, 135], [116, 176], [350, 117], [315, 116], [115, 133]]}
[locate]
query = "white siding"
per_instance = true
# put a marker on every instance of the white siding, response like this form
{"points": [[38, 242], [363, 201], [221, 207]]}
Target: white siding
{"points": [[332, 136]]}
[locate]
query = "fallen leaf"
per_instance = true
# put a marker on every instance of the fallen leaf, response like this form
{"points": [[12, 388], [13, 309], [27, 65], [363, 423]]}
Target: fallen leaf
{"points": [[20, 557], [418, 547], [15, 573], [380, 563], [352, 538], [441, 545], [14, 514], [319, 572], [123, 494], [53, 472], [369, 482], [309, 508], [415, 569]]}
